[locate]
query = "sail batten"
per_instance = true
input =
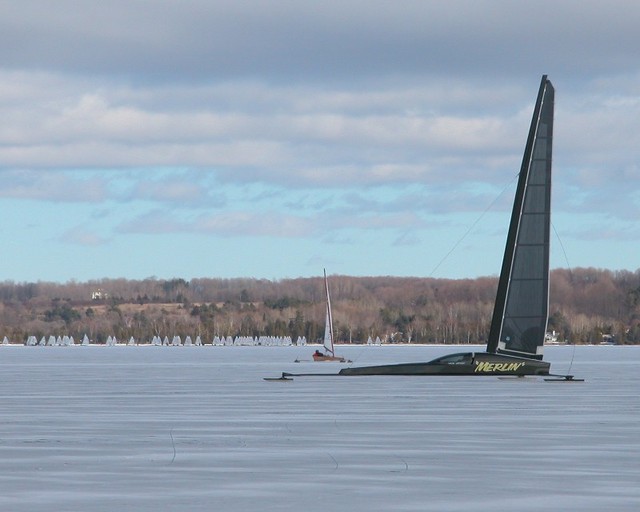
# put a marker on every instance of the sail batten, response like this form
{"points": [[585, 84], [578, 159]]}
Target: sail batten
{"points": [[520, 314]]}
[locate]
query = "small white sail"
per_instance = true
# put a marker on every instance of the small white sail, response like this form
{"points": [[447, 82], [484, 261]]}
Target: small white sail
{"points": [[328, 326]]}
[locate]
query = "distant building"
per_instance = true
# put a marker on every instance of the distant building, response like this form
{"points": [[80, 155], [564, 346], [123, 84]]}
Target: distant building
{"points": [[608, 339], [99, 294]]}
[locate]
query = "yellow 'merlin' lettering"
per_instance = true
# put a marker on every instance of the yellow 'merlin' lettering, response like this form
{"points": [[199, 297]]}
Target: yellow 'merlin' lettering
{"points": [[485, 366]]}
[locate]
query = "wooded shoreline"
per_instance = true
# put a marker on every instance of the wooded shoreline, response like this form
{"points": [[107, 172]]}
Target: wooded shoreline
{"points": [[587, 305]]}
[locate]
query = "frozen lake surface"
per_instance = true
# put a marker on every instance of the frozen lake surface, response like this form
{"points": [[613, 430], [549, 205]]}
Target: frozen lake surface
{"points": [[198, 429]]}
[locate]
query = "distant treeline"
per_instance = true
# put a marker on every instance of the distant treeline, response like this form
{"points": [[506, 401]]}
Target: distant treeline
{"points": [[586, 304]]}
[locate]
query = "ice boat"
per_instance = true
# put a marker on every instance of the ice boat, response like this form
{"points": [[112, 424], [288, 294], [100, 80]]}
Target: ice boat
{"points": [[329, 353], [520, 314]]}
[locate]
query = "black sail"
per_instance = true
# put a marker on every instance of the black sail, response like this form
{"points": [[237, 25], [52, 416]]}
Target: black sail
{"points": [[520, 314]]}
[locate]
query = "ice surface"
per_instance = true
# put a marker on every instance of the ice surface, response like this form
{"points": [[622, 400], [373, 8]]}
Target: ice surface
{"points": [[198, 429]]}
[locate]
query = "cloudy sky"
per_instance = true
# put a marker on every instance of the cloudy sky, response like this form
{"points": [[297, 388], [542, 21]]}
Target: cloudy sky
{"points": [[270, 139]]}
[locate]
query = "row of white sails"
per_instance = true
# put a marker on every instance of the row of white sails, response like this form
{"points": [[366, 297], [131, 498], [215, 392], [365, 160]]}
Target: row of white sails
{"points": [[175, 341]]}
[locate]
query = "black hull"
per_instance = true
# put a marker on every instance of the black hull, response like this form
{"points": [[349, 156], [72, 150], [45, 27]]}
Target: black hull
{"points": [[468, 363]]}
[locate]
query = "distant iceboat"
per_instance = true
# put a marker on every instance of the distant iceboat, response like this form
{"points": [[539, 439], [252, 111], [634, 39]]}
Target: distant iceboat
{"points": [[329, 351]]}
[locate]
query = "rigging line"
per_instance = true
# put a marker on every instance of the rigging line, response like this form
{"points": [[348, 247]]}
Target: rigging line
{"points": [[466, 233], [572, 356], [566, 259], [358, 354]]}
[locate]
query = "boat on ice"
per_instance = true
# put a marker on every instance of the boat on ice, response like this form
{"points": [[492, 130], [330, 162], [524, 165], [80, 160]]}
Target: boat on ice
{"points": [[520, 314], [329, 354]]}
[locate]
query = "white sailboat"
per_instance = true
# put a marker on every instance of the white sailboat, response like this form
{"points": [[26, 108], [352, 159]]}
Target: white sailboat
{"points": [[329, 351]]}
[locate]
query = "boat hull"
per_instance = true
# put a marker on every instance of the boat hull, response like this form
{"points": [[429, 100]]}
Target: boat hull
{"points": [[466, 363], [329, 359]]}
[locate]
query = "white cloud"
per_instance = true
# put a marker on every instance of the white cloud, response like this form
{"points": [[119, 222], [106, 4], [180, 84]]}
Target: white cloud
{"points": [[51, 186], [173, 190], [303, 136], [225, 224], [83, 236]]}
